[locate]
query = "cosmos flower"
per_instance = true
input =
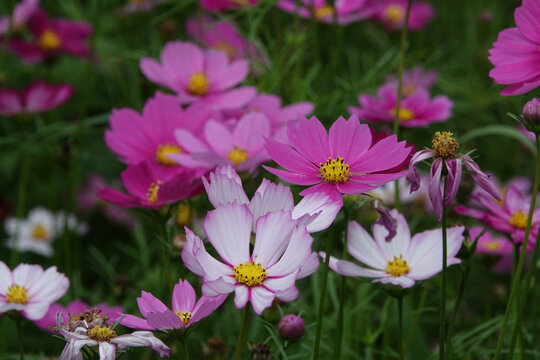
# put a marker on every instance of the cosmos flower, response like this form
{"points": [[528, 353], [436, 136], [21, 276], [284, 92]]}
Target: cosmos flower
{"points": [[416, 110], [489, 244], [392, 14], [186, 311], [35, 234], [135, 6], [21, 14], [36, 98], [413, 80], [343, 12], [30, 290], [223, 5], [403, 260], [203, 75], [515, 53], [345, 160]]}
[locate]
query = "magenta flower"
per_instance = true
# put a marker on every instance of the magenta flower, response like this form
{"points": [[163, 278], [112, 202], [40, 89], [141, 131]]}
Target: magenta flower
{"points": [[223, 5], [150, 136], [22, 13], [291, 327], [444, 152], [403, 260], [30, 290], [416, 110], [203, 75], [259, 276], [241, 146], [186, 311], [345, 160], [148, 187], [52, 38], [135, 6], [343, 12], [515, 53], [74, 309], [413, 80], [392, 14], [36, 98], [489, 244]]}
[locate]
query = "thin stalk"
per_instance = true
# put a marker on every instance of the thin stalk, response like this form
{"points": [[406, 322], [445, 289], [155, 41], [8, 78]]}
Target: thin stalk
{"points": [[242, 334], [21, 204], [419, 314], [442, 321], [19, 336], [517, 276], [339, 336], [184, 347], [456, 309], [323, 296], [400, 327], [166, 253]]}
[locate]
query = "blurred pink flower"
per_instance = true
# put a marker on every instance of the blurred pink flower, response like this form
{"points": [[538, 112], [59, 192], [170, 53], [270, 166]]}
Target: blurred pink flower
{"points": [[200, 75], [343, 12], [413, 80], [135, 6], [515, 53], [403, 260], [222, 5], [416, 110], [489, 244], [36, 98], [392, 14], [30, 290], [346, 160], [186, 311], [52, 38], [22, 13]]}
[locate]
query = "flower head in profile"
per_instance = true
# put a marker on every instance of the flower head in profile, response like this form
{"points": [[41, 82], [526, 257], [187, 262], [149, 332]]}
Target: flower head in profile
{"points": [[185, 312], [36, 98], [342, 12], [403, 260], [200, 75], [345, 160], [224, 5], [21, 14], [392, 14], [445, 153], [530, 117], [92, 328], [30, 290]]}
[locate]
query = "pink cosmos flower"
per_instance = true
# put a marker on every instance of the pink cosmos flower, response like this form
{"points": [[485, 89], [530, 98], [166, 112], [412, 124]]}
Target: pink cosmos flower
{"points": [[36, 98], [94, 330], [223, 5], [241, 146], [403, 260], [392, 14], [416, 110], [148, 187], [269, 272], [149, 136], [445, 153], [343, 12], [22, 13], [413, 80], [345, 160], [515, 53], [52, 38], [202, 75], [186, 311], [135, 6], [74, 309], [489, 244], [30, 290]]}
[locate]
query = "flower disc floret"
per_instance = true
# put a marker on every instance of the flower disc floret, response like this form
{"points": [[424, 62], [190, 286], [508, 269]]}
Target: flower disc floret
{"points": [[39, 231], [249, 273], [198, 84], [444, 144], [49, 40], [323, 12], [185, 316], [17, 294], [101, 333], [394, 13], [397, 267], [237, 155], [519, 220], [153, 190], [404, 114], [335, 170], [164, 150]]}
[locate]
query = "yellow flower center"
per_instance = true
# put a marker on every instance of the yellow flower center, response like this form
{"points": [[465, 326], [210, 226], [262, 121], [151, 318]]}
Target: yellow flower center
{"points": [[519, 220], [334, 170], [404, 114], [492, 245], [250, 274], [49, 40], [397, 267], [100, 333], [394, 13], [164, 150], [444, 144], [408, 89], [17, 294], [237, 155], [225, 47], [39, 232], [323, 12], [185, 316], [152, 194], [183, 214], [198, 84]]}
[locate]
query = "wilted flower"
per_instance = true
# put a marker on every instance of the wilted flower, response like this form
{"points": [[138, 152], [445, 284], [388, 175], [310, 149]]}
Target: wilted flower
{"points": [[36, 98], [291, 327]]}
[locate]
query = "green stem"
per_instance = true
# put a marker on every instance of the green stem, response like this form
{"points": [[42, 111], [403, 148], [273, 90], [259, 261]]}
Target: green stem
{"points": [[417, 319], [400, 327], [456, 309], [21, 204], [322, 296], [166, 253], [517, 276], [442, 321], [19, 335], [184, 347], [242, 334], [343, 295]]}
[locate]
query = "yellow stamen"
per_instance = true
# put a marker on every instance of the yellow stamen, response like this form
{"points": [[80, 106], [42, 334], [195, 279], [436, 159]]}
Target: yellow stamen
{"points": [[323, 12], [492, 245], [404, 114], [185, 316], [237, 155], [49, 40], [394, 13], [249, 274], [519, 220], [39, 232], [99, 333], [153, 190], [198, 84], [397, 267], [162, 152], [17, 294], [444, 144], [334, 170], [225, 47]]}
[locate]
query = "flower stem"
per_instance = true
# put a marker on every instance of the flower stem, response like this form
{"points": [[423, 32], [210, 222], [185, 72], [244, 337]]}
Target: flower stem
{"points": [[420, 310], [442, 321], [517, 276], [166, 253], [322, 296], [242, 334], [19, 336], [339, 336], [184, 347], [400, 327], [464, 278], [21, 204]]}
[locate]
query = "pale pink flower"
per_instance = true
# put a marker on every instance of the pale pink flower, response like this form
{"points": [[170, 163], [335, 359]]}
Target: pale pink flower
{"points": [[413, 80], [21, 14], [36, 98], [392, 14], [342, 12]]}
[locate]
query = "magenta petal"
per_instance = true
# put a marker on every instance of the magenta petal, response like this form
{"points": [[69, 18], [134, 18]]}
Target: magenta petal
{"points": [[183, 298], [298, 179], [481, 178], [289, 158], [310, 139], [435, 194], [135, 322], [453, 178], [165, 320], [149, 303], [205, 306]]}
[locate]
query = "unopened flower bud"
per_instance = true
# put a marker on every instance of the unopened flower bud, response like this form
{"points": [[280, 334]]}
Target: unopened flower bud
{"points": [[531, 115], [291, 327]]}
